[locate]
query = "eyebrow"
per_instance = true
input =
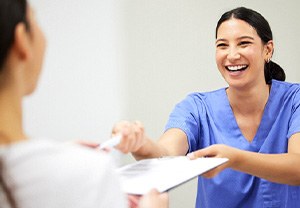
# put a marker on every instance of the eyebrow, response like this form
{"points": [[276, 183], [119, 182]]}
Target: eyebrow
{"points": [[242, 37]]}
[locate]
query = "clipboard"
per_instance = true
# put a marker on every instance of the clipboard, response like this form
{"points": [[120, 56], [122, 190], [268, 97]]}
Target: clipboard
{"points": [[163, 173]]}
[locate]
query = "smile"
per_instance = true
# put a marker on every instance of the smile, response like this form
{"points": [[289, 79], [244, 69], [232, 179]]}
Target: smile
{"points": [[236, 68]]}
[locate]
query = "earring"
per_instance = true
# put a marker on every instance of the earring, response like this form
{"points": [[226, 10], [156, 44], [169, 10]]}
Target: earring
{"points": [[268, 60]]}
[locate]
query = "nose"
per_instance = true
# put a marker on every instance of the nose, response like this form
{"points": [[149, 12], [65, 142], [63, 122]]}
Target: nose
{"points": [[233, 54]]}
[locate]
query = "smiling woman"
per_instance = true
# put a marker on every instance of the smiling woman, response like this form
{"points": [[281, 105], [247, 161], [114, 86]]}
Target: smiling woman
{"points": [[246, 36], [254, 121]]}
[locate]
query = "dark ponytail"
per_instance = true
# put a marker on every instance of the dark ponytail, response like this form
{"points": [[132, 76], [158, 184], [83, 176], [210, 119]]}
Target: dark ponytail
{"points": [[263, 29], [273, 71]]}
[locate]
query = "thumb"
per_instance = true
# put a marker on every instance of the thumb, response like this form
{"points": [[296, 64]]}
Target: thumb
{"points": [[206, 152]]}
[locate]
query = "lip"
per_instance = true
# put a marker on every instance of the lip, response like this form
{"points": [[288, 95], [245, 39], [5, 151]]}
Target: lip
{"points": [[239, 69], [236, 67]]}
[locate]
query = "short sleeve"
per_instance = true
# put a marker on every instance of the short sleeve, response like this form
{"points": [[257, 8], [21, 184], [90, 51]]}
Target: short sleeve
{"points": [[185, 116], [294, 124]]}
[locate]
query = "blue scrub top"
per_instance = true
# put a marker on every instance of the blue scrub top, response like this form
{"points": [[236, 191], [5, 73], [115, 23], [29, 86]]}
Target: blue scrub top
{"points": [[207, 119]]}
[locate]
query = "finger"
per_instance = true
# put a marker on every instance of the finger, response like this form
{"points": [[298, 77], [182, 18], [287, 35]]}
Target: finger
{"points": [[88, 143], [133, 200], [159, 199], [139, 124], [154, 191], [206, 152], [124, 128], [119, 127], [123, 145], [133, 133], [165, 196], [138, 131]]}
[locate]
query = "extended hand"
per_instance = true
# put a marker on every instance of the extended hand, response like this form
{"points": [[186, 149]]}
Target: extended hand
{"points": [[133, 136], [217, 150]]}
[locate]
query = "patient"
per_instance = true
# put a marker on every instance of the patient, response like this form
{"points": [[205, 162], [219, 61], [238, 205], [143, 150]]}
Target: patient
{"points": [[37, 172]]}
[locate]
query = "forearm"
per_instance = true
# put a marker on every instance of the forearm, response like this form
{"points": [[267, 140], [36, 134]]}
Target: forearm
{"points": [[151, 149], [172, 143], [279, 168]]}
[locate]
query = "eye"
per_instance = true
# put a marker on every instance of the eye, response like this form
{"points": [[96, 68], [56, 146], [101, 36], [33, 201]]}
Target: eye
{"points": [[221, 45], [245, 43]]}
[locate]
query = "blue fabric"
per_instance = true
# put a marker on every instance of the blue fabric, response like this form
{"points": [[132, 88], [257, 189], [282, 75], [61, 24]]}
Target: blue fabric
{"points": [[207, 119]]}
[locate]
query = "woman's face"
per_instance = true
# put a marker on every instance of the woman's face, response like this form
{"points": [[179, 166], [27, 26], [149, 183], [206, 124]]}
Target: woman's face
{"points": [[240, 54], [37, 46]]}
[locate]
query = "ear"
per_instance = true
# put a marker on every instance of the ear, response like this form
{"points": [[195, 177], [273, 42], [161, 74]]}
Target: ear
{"points": [[269, 46], [21, 45]]}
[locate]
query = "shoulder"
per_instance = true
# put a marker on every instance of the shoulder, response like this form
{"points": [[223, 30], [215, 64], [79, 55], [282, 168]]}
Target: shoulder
{"points": [[286, 86], [285, 90], [52, 153], [206, 98], [70, 170], [55, 160], [198, 103], [206, 95]]}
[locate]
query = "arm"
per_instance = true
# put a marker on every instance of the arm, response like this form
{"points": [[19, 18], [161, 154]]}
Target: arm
{"points": [[279, 168], [134, 140]]}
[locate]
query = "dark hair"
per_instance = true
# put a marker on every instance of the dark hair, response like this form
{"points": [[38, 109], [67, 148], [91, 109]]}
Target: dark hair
{"points": [[262, 27], [12, 12]]}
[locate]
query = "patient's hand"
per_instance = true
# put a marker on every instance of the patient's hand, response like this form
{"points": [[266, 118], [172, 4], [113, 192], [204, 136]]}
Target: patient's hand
{"points": [[92, 145], [153, 199]]}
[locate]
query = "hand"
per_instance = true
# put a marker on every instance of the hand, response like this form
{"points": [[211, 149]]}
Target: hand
{"points": [[133, 200], [154, 199], [133, 136], [92, 145], [220, 151], [89, 144]]}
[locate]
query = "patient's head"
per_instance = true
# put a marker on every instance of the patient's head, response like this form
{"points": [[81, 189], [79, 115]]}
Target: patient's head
{"points": [[22, 44]]}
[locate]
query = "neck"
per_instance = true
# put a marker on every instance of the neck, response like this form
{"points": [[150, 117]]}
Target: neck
{"points": [[249, 101], [11, 129]]}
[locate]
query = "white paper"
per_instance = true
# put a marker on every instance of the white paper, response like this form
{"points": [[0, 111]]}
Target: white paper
{"points": [[163, 173]]}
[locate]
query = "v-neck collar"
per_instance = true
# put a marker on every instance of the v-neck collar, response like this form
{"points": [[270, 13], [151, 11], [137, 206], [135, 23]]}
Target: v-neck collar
{"points": [[263, 127]]}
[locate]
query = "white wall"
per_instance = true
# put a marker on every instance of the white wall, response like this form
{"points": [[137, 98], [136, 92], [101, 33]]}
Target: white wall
{"points": [[79, 94], [135, 59]]}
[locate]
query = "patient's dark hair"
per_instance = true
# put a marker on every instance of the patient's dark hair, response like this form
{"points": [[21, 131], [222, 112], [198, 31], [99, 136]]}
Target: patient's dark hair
{"points": [[12, 12], [262, 27]]}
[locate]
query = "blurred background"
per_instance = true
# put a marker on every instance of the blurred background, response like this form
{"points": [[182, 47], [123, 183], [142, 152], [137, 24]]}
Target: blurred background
{"points": [[109, 60]]}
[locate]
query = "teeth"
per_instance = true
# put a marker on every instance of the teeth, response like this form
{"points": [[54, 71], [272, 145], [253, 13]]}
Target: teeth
{"points": [[236, 68]]}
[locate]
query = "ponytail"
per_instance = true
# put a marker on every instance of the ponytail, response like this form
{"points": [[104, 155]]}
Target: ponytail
{"points": [[273, 71]]}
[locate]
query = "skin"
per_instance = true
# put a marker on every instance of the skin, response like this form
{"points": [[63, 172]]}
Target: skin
{"points": [[237, 44], [151, 202]]}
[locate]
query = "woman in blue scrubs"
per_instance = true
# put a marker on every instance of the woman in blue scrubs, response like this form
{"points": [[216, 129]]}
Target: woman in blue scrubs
{"points": [[255, 122]]}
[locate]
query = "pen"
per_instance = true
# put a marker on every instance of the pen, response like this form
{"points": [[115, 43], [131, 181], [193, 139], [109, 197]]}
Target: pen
{"points": [[111, 142]]}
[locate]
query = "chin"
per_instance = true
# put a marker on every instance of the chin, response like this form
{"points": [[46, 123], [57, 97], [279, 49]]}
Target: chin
{"points": [[30, 90], [236, 83]]}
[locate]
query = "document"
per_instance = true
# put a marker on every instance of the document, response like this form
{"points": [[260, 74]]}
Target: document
{"points": [[163, 173]]}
